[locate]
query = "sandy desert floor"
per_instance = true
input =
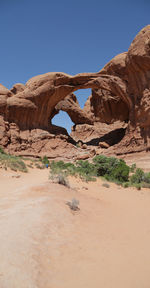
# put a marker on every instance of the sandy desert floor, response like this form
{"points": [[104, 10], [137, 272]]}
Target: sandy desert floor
{"points": [[43, 244]]}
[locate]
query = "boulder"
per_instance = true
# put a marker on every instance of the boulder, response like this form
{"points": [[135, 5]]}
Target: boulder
{"points": [[104, 145]]}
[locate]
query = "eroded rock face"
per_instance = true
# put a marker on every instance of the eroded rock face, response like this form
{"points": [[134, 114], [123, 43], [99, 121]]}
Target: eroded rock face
{"points": [[133, 68], [33, 107], [120, 91], [71, 106], [107, 106]]}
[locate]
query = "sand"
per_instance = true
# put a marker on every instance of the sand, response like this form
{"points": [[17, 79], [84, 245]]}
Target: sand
{"points": [[43, 244]]}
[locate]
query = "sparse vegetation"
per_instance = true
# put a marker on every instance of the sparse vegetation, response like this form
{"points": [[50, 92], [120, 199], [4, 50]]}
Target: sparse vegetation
{"points": [[59, 178], [44, 160], [110, 168], [39, 166], [133, 168], [40, 163], [106, 185], [126, 184], [146, 178], [62, 180], [138, 177], [2, 151], [74, 204], [83, 169], [145, 185], [13, 162], [137, 186]]}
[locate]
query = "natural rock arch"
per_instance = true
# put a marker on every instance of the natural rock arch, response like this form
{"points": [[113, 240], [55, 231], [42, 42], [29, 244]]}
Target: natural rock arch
{"points": [[33, 106], [120, 91]]}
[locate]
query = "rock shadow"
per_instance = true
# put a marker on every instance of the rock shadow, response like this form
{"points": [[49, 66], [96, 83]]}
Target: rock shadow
{"points": [[110, 138]]}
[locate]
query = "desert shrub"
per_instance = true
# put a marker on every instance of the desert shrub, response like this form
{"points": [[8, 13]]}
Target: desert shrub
{"points": [[70, 169], [132, 168], [59, 178], [2, 151], [60, 166], [62, 180], [106, 185], [85, 170], [137, 177], [12, 162], [137, 186], [120, 172], [145, 185], [56, 166], [84, 167], [87, 178], [44, 160], [16, 164], [146, 178], [74, 204], [37, 165], [104, 165], [111, 168], [125, 185]]}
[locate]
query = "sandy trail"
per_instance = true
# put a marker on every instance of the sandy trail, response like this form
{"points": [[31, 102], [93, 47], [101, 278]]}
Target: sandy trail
{"points": [[44, 244]]}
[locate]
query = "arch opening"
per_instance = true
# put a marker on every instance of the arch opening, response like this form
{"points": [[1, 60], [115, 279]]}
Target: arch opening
{"points": [[82, 95], [62, 119]]}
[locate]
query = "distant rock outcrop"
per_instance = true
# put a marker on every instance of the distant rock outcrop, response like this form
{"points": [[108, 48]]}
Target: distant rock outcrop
{"points": [[120, 91]]}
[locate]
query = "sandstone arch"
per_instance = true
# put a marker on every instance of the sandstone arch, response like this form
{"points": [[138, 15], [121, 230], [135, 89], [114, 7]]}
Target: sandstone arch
{"points": [[120, 91], [32, 107]]}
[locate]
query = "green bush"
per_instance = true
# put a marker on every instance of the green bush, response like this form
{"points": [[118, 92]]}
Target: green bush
{"points": [[126, 184], [85, 168], [121, 172], [60, 166], [146, 178], [111, 168], [132, 168], [82, 168], [104, 165], [137, 186], [2, 151], [137, 177], [45, 160]]}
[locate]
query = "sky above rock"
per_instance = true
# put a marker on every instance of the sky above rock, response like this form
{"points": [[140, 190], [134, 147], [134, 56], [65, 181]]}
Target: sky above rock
{"points": [[67, 36]]}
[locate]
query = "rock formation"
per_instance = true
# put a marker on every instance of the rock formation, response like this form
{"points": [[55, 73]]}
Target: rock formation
{"points": [[71, 106], [133, 68], [120, 91]]}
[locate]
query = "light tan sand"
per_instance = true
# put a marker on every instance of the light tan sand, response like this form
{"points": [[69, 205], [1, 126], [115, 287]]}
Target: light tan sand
{"points": [[43, 244]]}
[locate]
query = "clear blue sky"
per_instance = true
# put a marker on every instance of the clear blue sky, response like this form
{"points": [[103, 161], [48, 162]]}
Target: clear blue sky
{"points": [[64, 35]]}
